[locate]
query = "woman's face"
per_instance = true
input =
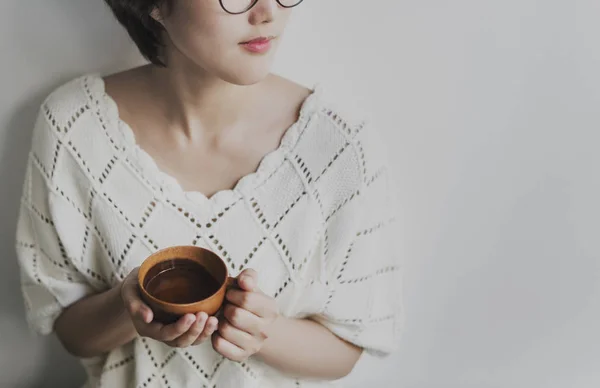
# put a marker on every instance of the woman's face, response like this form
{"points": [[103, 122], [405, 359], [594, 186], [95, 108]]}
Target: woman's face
{"points": [[201, 34]]}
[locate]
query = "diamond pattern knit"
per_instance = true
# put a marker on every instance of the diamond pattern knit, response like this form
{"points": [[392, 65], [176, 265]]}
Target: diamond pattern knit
{"points": [[315, 220]]}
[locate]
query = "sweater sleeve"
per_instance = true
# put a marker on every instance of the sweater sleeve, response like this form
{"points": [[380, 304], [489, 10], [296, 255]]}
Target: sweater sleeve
{"points": [[363, 269], [50, 280]]}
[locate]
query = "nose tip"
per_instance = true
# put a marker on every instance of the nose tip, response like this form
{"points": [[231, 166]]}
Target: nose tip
{"points": [[263, 12]]}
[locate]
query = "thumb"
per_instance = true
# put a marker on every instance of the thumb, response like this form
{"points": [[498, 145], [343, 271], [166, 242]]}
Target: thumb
{"points": [[131, 298], [248, 280]]}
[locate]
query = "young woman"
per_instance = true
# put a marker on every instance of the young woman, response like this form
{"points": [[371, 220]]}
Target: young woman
{"points": [[203, 146]]}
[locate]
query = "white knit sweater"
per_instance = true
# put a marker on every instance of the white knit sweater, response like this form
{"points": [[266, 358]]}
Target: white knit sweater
{"points": [[314, 220]]}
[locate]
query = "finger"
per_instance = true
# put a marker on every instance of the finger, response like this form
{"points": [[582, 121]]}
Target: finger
{"points": [[175, 330], [243, 319], [255, 302], [210, 327], [213, 325], [248, 280], [150, 330], [189, 337], [131, 298], [227, 349], [237, 337]]}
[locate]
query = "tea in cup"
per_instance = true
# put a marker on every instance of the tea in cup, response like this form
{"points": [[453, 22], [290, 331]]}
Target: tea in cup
{"points": [[183, 280]]}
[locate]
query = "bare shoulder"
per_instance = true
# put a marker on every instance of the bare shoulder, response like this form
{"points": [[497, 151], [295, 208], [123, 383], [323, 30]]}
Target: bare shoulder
{"points": [[128, 89], [284, 101], [288, 91], [289, 86], [124, 80]]}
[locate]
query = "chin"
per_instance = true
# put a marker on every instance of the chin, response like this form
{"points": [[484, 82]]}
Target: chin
{"points": [[247, 72]]}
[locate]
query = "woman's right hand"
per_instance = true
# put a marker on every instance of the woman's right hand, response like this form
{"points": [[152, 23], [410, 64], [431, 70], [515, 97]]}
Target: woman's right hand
{"points": [[189, 330]]}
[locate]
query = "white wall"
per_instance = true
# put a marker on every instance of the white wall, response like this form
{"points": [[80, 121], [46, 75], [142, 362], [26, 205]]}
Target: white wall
{"points": [[491, 110]]}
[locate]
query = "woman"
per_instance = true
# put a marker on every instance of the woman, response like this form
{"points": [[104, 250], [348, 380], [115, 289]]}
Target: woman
{"points": [[204, 147]]}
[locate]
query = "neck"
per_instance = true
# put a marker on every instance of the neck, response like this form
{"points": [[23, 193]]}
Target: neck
{"points": [[200, 104]]}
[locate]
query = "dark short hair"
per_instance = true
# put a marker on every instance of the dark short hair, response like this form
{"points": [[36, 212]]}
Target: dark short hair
{"points": [[146, 33]]}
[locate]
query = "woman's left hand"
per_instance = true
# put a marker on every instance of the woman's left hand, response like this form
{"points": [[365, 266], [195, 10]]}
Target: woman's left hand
{"points": [[249, 314]]}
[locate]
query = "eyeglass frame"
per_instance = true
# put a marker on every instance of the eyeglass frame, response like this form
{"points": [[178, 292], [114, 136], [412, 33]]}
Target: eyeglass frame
{"points": [[254, 2]]}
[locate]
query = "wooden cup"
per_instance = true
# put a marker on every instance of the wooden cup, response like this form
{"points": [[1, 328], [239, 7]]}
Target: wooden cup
{"points": [[166, 312]]}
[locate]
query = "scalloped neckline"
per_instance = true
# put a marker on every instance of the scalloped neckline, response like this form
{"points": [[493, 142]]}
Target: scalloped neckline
{"points": [[224, 197]]}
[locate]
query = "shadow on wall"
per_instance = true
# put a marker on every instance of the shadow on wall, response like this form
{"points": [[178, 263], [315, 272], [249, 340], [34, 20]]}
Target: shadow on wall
{"points": [[27, 359], [48, 43]]}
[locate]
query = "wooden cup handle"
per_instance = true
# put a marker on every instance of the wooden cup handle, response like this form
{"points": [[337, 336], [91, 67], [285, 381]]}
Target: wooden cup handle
{"points": [[230, 282]]}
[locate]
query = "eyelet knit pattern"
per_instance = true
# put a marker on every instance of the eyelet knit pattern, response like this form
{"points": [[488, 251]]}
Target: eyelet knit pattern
{"points": [[316, 220]]}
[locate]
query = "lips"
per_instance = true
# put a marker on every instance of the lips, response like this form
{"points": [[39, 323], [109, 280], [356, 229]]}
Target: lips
{"points": [[258, 45], [261, 39]]}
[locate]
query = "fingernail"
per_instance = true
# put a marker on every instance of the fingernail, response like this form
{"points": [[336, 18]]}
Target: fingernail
{"points": [[249, 281]]}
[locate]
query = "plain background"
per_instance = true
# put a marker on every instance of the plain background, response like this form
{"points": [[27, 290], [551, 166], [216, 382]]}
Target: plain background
{"points": [[491, 109]]}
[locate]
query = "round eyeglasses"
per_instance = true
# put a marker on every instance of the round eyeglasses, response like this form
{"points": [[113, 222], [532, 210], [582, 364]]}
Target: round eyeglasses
{"points": [[236, 7]]}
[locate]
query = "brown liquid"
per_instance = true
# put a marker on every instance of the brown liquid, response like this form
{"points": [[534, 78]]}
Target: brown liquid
{"points": [[180, 281]]}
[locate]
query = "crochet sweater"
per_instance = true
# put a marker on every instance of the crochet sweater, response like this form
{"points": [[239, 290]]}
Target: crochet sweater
{"points": [[315, 220]]}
